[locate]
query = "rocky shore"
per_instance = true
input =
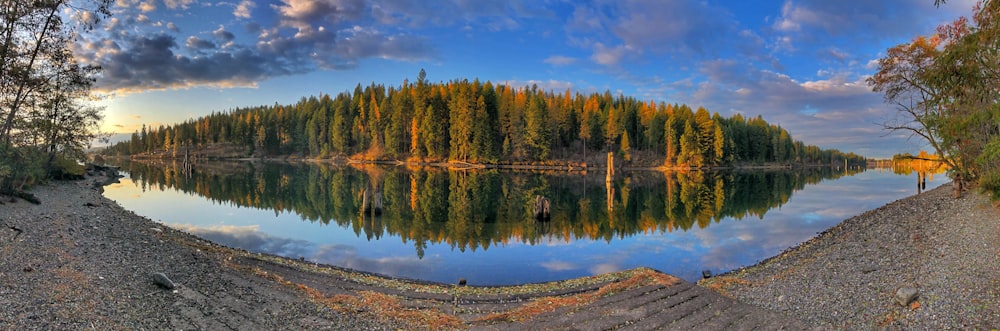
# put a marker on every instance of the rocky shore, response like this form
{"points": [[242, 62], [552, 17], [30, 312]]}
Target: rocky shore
{"points": [[856, 274], [80, 261]]}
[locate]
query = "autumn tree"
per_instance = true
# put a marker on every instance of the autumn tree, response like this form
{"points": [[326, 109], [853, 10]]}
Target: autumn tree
{"points": [[944, 90], [966, 74], [903, 78]]}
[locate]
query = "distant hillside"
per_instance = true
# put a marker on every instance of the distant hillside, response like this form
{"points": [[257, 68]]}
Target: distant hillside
{"points": [[479, 122]]}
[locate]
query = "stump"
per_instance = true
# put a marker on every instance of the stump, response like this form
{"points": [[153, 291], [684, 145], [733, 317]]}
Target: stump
{"points": [[371, 200], [541, 208]]}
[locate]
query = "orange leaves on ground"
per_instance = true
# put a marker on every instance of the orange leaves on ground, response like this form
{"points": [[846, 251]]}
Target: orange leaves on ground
{"points": [[642, 277]]}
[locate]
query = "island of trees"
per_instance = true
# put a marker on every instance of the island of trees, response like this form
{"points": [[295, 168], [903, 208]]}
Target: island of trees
{"points": [[482, 123]]}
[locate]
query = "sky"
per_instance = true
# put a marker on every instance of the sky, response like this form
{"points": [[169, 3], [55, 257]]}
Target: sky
{"points": [[801, 64]]}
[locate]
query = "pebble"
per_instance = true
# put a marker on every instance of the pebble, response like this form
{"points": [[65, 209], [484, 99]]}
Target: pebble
{"points": [[161, 279], [906, 295], [954, 263]]}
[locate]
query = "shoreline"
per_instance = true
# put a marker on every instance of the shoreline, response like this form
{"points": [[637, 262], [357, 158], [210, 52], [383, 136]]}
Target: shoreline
{"points": [[847, 277], [80, 260], [551, 165]]}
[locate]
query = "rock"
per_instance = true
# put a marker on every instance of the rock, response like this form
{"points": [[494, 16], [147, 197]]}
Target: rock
{"points": [[462, 282], [905, 295], [160, 279]]}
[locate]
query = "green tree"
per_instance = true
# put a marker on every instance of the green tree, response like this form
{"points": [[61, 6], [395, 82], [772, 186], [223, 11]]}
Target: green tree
{"points": [[690, 152], [42, 116], [626, 149], [461, 118], [964, 76], [536, 129]]}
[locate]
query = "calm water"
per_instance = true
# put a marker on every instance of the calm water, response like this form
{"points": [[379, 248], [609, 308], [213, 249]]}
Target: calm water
{"points": [[443, 225]]}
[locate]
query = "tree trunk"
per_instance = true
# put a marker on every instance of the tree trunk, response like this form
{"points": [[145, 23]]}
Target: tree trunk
{"points": [[21, 93]]}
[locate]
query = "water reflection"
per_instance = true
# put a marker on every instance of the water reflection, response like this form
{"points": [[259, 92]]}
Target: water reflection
{"points": [[925, 166], [252, 239], [471, 210], [440, 225]]}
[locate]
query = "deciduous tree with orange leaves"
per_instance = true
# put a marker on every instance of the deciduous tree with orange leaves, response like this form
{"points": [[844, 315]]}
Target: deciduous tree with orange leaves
{"points": [[945, 90]]}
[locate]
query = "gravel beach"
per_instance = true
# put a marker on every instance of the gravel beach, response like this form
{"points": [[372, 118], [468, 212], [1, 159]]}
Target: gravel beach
{"points": [[80, 261], [947, 249]]}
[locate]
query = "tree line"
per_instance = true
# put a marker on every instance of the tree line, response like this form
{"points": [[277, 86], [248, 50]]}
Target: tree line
{"points": [[471, 121]]}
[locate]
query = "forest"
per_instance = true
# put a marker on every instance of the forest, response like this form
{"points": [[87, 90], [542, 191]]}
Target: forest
{"points": [[483, 123], [481, 208]]}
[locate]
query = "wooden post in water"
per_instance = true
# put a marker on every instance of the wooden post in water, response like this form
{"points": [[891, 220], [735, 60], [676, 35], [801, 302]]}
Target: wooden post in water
{"points": [[611, 196], [610, 178], [188, 165], [611, 167]]}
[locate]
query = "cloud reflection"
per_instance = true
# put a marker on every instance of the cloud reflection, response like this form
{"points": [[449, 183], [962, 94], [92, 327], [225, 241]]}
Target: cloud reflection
{"points": [[604, 268], [252, 239], [559, 266]]}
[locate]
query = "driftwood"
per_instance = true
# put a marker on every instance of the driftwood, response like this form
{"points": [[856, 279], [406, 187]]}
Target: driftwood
{"points": [[541, 208], [21, 194]]}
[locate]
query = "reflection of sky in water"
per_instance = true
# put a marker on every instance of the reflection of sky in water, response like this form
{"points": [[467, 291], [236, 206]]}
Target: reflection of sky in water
{"points": [[721, 246]]}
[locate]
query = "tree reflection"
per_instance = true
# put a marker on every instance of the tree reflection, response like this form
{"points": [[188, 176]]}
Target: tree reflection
{"points": [[479, 209], [924, 164]]}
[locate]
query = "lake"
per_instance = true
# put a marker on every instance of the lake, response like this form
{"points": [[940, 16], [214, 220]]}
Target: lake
{"points": [[440, 225]]}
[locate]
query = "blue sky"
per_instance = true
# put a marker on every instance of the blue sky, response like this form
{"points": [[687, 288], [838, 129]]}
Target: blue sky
{"points": [[800, 64]]}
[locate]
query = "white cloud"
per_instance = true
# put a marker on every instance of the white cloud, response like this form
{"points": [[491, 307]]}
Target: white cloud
{"points": [[147, 6], [545, 85], [823, 112], [243, 9], [608, 56], [126, 3], [175, 4], [872, 64], [837, 54], [559, 60]]}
